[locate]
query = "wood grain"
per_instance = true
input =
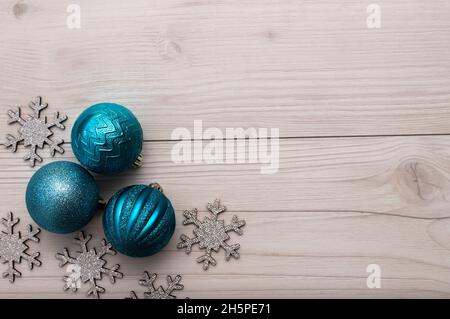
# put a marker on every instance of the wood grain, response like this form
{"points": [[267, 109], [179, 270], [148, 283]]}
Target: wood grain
{"points": [[363, 114]]}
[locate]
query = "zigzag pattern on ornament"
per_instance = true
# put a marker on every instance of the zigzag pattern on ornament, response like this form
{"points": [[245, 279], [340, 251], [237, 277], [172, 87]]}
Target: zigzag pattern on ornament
{"points": [[107, 144]]}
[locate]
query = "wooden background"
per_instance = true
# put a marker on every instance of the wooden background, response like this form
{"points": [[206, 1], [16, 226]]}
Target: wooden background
{"points": [[364, 119]]}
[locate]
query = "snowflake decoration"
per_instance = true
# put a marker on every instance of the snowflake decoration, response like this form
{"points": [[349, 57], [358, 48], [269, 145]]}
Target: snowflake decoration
{"points": [[13, 247], [35, 131], [88, 266], [159, 293], [211, 234]]}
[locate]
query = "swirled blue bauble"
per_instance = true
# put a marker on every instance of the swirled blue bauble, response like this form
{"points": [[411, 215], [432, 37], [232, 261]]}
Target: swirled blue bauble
{"points": [[139, 221], [62, 197], [107, 138]]}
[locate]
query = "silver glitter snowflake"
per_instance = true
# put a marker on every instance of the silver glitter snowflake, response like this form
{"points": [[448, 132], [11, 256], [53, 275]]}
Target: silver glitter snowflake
{"points": [[35, 131], [159, 293], [88, 266], [211, 234], [13, 247]]}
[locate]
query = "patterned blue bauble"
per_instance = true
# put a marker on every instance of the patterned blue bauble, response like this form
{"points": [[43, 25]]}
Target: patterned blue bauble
{"points": [[139, 221], [62, 197], [107, 138]]}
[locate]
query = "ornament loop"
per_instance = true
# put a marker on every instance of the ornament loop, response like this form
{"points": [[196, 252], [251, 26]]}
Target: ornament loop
{"points": [[139, 161], [101, 203], [157, 186]]}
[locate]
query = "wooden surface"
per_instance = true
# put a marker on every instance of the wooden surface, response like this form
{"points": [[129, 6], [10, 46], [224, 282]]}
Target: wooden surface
{"points": [[364, 119]]}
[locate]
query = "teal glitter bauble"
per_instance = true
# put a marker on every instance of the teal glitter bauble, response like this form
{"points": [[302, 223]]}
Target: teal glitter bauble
{"points": [[139, 221], [107, 138], [62, 197]]}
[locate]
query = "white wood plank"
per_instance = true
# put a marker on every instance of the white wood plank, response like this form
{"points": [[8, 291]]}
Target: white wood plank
{"points": [[315, 255], [309, 68], [407, 176]]}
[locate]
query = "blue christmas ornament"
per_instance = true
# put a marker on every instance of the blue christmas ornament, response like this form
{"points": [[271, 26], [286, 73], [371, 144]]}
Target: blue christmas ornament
{"points": [[62, 197], [139, 220], [107, 138]]}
